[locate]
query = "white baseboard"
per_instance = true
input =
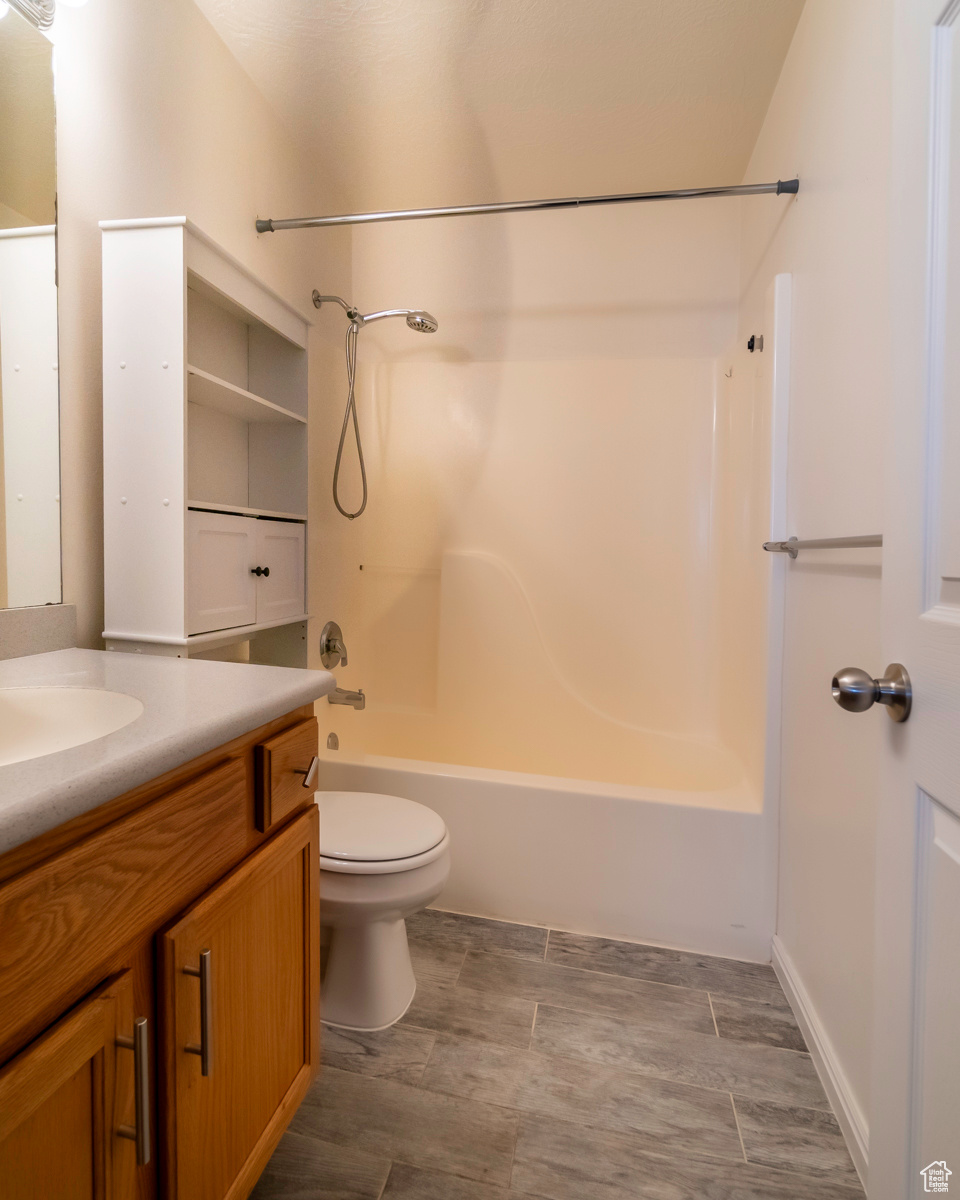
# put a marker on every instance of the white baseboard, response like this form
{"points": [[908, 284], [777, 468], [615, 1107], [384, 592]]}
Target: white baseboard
{"points": [[853, 1121]]}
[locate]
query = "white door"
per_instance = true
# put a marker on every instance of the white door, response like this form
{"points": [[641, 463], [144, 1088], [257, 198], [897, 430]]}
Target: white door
{"points": [[222, 552], [915, 1112], [280, 550]]}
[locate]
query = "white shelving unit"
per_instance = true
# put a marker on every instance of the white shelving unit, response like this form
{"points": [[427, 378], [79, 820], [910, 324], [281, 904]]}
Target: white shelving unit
{"points": [[239, 510], [210, 392], [205, 450]]}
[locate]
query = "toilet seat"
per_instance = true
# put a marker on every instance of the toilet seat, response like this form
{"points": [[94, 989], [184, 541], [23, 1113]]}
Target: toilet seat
{"points": [[367, 833]]}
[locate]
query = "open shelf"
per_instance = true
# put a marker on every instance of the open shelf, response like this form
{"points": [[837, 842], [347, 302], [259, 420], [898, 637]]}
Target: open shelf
{"points": [[239, 633], [209, 391], [241, 511], [211, 640], [224, 439]]}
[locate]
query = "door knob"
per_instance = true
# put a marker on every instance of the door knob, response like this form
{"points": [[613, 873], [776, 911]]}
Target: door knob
{"points": [[856, 691], [258, 571]]}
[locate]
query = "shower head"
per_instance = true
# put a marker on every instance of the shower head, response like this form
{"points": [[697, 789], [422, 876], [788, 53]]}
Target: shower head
{"points": [[416, 318], [422, 322]]}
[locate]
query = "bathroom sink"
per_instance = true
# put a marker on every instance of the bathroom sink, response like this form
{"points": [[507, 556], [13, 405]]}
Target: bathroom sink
{"points": [[35, 721]]}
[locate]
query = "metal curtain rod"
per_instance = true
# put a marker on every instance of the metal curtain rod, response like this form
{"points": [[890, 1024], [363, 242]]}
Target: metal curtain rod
{"points": [[781, 187], [792, 545]]}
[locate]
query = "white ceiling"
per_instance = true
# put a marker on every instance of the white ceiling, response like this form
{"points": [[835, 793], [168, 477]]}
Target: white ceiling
{"points": [[403, 103]]}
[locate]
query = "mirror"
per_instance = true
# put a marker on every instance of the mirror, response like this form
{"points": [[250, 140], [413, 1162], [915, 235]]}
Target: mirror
{"points": [[29, 391]]}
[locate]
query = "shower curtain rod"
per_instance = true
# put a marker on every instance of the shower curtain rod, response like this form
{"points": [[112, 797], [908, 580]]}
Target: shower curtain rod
{"points": [[782, 186]]}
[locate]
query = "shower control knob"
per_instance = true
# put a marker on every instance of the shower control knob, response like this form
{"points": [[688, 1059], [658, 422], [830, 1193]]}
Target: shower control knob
{"points": [[856, 691], [258, 571], [333, 653]]}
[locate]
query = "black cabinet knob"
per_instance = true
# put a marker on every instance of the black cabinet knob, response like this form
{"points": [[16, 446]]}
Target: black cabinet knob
{"points": [[260, 571]]}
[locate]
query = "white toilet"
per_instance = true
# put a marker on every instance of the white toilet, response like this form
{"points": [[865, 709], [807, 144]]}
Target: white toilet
{"points": [[382, 858]]}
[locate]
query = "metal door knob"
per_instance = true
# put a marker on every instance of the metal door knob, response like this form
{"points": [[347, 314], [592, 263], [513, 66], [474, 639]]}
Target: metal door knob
{"points": [[258, 571], [856, 691]]}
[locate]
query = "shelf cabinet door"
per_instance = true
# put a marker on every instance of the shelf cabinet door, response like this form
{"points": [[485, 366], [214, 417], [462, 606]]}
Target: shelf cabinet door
{"points": [[222, 551], [280, 547], [260, 928], [62, 1102]]}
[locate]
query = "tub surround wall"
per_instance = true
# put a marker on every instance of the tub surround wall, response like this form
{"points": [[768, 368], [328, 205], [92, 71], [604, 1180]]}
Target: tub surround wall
{"points": [[555, 443], [745, 642]]}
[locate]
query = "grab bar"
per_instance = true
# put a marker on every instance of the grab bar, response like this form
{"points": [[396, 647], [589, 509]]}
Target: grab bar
{"points": [[793, 545]]}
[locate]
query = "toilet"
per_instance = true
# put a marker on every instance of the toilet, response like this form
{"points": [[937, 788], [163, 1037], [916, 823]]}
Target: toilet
{"points": [[382, 858]]}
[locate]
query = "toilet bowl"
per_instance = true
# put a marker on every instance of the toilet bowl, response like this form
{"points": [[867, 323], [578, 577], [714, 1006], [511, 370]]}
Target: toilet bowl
{"points": [[382, 858]]}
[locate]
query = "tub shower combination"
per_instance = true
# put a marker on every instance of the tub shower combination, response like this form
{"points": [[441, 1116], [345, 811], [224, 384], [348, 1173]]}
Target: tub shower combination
{"points": [[561, 811], [584, 823]]}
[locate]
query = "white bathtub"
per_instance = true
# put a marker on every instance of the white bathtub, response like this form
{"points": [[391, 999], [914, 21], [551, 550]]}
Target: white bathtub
{"points": [[690, 869]]}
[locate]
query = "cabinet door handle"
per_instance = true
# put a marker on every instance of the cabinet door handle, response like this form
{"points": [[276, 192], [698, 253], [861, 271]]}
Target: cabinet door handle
{"points": [[258, 571], [140, 1131], [310, 774], [205, 1049]]}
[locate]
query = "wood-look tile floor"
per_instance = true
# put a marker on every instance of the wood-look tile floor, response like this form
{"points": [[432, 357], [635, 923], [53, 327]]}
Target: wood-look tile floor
{"points": [[552, 1065]]}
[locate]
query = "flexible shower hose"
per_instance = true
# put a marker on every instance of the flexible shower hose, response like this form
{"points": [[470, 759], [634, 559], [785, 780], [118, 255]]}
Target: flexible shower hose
{"points": [[351, 348]]}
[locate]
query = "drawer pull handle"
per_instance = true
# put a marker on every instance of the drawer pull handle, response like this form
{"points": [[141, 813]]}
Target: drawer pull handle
{"points": [[310, 774], [258, 571], [140, 1132], [205, 1049]]}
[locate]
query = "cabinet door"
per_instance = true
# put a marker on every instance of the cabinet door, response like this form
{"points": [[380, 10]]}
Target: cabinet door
{"points": [[63, 1101], [221, 554], [281, 593], [239, 999]]}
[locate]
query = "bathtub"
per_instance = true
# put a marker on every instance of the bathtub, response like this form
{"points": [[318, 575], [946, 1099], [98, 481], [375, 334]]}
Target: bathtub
{"points": [[567, 807], [688, 868]]}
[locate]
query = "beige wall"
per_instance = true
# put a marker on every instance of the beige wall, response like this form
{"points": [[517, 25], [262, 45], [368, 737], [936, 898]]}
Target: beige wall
{"points": [[829, 120], [155, 118], [28, 180]]}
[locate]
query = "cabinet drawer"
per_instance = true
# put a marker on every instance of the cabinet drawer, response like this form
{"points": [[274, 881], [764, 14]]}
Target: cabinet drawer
{"points": [[281, 765], [64, 920]]}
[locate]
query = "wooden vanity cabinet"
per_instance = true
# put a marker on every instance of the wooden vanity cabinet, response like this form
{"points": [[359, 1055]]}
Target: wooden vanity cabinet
{"points": [[108, 920], [62, 1101], [239, 982]]}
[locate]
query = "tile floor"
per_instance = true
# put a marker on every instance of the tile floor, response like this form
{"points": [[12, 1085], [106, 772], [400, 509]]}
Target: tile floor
{"points": [[552, 1065]]}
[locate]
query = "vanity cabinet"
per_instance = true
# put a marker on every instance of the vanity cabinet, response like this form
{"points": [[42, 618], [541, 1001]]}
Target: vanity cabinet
{"points": [[63, 1100], [238, 985], [159, 982]]}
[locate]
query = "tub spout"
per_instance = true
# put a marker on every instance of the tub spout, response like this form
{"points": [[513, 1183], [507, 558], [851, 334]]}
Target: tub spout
{"points": [[356, 700]]}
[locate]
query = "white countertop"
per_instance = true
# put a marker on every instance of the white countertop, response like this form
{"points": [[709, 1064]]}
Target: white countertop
{"points": [[190, 706]]}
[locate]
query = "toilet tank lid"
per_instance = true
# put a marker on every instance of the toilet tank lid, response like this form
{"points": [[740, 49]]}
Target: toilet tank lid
{"points": [[369, 827]]}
